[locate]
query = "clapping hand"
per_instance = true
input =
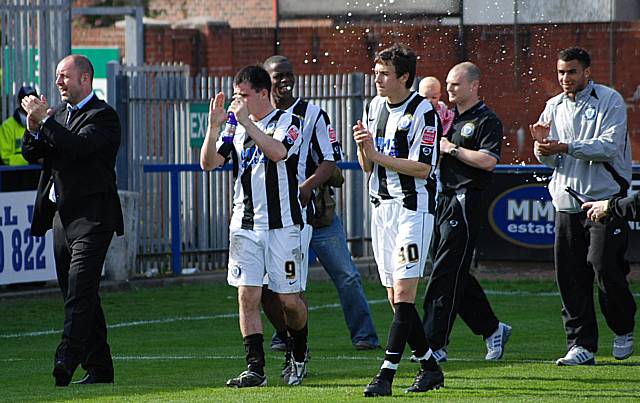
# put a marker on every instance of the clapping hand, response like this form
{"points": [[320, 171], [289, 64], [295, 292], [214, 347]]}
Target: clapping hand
{"points": [[217, 114], [363, 139], [540, 131], [37, 109]]}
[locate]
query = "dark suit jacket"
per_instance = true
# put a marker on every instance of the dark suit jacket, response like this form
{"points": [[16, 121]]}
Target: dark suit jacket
{"points": [[80, 160]]}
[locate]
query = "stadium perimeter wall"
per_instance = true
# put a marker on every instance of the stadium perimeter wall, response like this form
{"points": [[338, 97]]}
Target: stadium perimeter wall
{"points": [[515, 83]]}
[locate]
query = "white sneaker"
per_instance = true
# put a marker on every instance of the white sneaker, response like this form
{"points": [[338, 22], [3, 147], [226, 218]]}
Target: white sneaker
{"points": [[577, 355], [296, 373], [495, 343], [623, 346]]}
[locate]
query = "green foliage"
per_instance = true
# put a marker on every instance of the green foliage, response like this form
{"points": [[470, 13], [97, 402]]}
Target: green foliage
{"points": [[192, 345]]}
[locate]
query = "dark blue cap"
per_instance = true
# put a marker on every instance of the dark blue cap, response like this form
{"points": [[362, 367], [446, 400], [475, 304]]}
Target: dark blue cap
{"points": [[25, 91]]}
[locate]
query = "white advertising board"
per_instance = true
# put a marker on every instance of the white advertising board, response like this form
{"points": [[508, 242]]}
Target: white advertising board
{"points": [[23, 258]]}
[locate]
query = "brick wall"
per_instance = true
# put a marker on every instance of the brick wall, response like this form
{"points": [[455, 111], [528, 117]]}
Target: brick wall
{"points": [[246, 13], [517, 99], [107, 36]]}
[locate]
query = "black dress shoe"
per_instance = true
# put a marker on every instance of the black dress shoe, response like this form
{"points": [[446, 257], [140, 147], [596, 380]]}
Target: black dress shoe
{"points": [[90, 379]]}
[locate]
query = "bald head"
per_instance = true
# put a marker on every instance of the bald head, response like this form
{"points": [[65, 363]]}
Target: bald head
{"points": [[74, 76], [469, 70], [463, 82], [431, 89]]}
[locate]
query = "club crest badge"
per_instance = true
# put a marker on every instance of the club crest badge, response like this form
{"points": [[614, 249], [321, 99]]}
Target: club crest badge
{"points": [[236, 271], [271, 128], [467, 130], [405, 122], [590, 112]]}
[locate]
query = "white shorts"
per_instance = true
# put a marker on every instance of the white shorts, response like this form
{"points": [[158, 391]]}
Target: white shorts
{"points": [[276, 252], [306, 233], [400, 240], [305, 236]]}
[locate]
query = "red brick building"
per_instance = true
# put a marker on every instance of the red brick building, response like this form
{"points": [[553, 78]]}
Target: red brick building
{"points": [[518, 75]]}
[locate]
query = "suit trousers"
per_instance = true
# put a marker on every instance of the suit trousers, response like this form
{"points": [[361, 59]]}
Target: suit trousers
{"points": [[452, 290], [79, 263], [583, 250]]}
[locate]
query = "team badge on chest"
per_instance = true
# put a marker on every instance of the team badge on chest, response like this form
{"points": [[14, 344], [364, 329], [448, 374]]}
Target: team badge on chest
{"points": [[271, 128], [590, 112], [468, 129], [404, 123]]}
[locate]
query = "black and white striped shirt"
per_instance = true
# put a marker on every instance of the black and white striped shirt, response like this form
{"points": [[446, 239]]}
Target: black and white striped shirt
{"points": [[409, 130], [320, 140], [266, 192]]}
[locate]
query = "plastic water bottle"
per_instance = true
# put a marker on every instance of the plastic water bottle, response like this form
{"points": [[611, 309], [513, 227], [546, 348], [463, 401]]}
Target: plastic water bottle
{"points": [[229, 128]]}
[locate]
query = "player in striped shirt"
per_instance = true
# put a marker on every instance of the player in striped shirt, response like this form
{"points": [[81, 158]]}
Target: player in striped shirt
{"points": [[398, 140], [264, 235], [316, 173]]}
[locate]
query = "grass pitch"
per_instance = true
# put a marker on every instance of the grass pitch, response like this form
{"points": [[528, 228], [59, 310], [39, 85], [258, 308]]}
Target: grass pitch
{"points": [[181, 343]]}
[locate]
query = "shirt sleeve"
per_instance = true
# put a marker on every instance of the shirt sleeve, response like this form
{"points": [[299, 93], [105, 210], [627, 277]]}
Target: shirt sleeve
{"points": [[426, 139], [547, 116], [490, 139], [224, 149], [626, 207], [611, 133], [289, 132], [324, 142], [365, 116]]}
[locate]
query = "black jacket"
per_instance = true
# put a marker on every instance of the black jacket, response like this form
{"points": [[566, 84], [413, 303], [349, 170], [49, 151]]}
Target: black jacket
{"points": [[625, 207], [80, 160]]}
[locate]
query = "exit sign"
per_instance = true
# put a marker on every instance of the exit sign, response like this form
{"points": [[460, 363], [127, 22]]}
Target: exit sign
{"points": [[198, 122]]}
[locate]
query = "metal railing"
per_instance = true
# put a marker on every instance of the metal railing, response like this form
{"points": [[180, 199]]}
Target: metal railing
{"points": [[154, 104], [34, 36]]}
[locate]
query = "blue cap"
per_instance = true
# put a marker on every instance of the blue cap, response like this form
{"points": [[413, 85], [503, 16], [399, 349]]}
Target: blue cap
{"points": [[25, 91]]}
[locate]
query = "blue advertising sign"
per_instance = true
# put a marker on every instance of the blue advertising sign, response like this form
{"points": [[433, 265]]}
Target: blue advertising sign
{"points": [[524, 216]]}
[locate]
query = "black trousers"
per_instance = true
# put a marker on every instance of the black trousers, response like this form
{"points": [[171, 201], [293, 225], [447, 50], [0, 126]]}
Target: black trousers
{"points": [[79, 264], [585, 250], [452, 290]]}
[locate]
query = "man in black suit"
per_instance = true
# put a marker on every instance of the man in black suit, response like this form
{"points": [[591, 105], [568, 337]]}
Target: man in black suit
{"points": [[76, 143]]}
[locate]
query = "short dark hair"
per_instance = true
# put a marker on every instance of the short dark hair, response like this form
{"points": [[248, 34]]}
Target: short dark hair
{"points": [[575, 53], [275, 59], [255, 75], [402, 58]]}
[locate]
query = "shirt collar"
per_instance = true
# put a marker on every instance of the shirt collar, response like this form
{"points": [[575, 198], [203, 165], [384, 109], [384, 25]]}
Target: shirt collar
{"points": [[586, 91], [471, 110], [82, 103]]}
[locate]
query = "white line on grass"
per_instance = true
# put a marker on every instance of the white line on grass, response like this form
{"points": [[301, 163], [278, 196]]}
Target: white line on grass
{"points": [[235, 315], [274, 356], [167, 320], [313, 358]]}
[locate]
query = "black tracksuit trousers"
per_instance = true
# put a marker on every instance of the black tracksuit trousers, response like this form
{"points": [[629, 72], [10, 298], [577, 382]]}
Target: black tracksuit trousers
{"points": [[585, 250], [452, 290]]}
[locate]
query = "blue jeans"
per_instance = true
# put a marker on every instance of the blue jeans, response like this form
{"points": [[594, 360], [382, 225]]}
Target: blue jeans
{"points": [[330, 246]]}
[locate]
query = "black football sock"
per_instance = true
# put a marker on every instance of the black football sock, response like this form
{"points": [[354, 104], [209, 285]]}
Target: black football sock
{"points": [[417, 339], [420, 344], [398, 333], [255, 353], [299, 343]]}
